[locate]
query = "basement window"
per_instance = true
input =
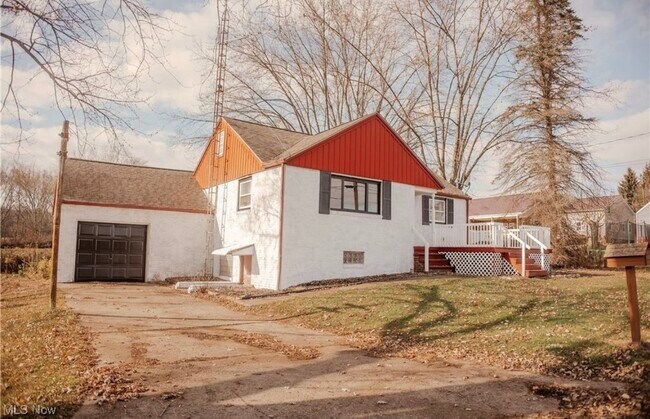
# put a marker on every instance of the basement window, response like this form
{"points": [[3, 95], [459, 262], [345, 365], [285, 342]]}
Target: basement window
{"points": [[244, 201], [353, 258]]}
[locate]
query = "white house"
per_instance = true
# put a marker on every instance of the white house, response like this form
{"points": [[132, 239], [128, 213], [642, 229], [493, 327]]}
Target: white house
{"points": [[642, 219], [276, 208]]}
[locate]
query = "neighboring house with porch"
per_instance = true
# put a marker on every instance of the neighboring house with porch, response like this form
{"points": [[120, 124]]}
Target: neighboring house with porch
{"points": [[642, 218], [276, 208], [593, 217]]}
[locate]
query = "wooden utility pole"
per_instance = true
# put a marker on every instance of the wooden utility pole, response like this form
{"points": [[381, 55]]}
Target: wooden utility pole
{"points": [[56, 215]]}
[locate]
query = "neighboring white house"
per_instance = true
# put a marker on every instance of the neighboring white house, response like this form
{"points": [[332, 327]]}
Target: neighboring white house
{"points": [[643, 223], [276, 208]]}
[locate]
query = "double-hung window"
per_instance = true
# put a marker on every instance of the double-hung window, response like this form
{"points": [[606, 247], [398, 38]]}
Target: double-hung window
{"points": [[354, 195], [439, 212], [244, 201]]}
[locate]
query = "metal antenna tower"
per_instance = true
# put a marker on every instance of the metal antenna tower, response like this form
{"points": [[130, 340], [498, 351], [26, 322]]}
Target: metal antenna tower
{"points": [[220, 52]]}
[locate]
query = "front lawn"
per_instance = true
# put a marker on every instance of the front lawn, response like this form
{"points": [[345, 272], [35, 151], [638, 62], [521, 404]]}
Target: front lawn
{"points": [[44, 355], [574, 326]]}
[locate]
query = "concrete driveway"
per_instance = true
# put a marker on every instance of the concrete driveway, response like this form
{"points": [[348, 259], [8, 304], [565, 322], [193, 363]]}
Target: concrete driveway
{"points": [[179, 343]]}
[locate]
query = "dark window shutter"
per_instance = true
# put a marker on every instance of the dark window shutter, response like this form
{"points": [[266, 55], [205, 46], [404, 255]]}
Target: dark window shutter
{"points": [[386, 194], [450, 211], [426, 199], [324, 196]]}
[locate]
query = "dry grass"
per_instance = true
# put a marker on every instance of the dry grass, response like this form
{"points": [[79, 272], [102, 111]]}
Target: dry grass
{"points": [[45, 356], [574, 326]]}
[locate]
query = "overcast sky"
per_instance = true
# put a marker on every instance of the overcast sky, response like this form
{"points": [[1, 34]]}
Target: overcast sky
{"points": [[619, 60]]}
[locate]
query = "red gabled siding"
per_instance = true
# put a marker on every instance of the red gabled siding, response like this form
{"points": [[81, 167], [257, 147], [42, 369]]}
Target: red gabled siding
{"points": [[370, 149]]}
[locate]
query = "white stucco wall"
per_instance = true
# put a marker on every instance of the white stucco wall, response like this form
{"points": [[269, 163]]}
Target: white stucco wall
{"points": [[175, 240], [460, 216], [313, 243], [259, 225]]}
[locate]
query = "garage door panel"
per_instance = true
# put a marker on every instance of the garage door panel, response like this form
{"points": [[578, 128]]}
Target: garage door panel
{"points": [[85, 245], [103, 245], [86, 229], [138, 231], [102, 259], [85, 259], [119, 259], [104, 229], [121, 231], [136, 259], [136, 247], [85, 273], [108, 251], [120, 245]]}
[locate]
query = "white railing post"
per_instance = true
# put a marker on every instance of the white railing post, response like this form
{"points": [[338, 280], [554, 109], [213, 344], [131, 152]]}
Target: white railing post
{"points": [[426, 247], [523, 259]]}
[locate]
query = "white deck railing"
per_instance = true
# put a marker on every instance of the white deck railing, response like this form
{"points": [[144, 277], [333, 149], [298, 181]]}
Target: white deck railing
{"points": [[490, 235]]}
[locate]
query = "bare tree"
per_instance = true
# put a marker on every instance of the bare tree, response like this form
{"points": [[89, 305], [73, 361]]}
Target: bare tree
{"points": [[548, 155], [95, 55], [460, 53], [27, 217], [437, 70], [308, 65]]}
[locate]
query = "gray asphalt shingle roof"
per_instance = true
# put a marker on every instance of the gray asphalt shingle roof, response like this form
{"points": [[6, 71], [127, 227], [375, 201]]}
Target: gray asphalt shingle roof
{"points": [[119, 184]]}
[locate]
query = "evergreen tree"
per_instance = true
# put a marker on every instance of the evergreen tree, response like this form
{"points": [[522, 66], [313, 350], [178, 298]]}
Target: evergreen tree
{"points": [[548, 156], [629, 187], [643, 193]]}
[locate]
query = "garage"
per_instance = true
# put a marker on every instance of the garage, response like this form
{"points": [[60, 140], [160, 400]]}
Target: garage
{"points": [[110, 252], [130, 223]]}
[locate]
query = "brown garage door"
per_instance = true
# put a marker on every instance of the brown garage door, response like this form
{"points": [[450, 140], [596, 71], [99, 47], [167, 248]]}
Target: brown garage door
{"points": [[110, 252]]}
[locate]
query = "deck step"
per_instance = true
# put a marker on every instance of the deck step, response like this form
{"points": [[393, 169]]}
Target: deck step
{"points": [[533, 268], [438, 263]]}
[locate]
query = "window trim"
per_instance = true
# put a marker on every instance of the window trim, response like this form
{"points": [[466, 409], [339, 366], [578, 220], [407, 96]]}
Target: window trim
{"points": [[432, 211], [366, 182], [250, 193]]}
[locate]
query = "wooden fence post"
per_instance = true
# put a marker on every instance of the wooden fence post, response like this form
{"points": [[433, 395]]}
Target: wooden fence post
{"points": [[56, 215]]}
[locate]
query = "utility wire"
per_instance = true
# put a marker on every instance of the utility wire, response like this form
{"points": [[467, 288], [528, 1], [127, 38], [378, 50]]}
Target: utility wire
{"points": [[620, 139]]}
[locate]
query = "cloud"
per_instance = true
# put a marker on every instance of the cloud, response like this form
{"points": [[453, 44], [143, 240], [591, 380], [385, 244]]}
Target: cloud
{"points": [[615, 157], [40, 146], [623, 97]]}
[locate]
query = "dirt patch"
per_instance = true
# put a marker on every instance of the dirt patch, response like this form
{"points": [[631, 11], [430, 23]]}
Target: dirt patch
{"points": [[262, 341], [139, 354], [109, 384]]}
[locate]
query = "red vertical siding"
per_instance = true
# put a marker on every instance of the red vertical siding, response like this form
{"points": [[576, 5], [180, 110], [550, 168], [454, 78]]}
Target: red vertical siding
{"points": [[370, 149], [237, 161]]}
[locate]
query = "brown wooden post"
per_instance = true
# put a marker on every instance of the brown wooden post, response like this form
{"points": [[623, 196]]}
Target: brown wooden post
{"points": [[56, 214], [633, 304]]}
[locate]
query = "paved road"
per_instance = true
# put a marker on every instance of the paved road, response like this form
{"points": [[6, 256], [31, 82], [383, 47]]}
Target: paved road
{"points": [[180, 343]]}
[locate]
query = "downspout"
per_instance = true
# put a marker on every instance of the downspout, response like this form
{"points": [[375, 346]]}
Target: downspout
{"points": [[282, 174]]}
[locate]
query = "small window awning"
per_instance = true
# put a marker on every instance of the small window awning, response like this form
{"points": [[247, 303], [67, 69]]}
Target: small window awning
{"points": [[235, 250]]}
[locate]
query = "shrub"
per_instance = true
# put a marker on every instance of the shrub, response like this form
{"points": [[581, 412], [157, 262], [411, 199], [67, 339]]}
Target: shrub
{"points": [[30, 261]]}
